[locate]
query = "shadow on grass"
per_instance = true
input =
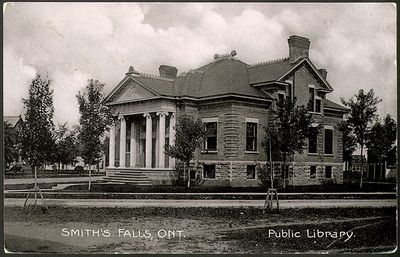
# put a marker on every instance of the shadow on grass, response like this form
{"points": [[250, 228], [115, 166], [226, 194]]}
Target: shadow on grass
{"points": [[368, 235], [19, 244], [85, 214]]}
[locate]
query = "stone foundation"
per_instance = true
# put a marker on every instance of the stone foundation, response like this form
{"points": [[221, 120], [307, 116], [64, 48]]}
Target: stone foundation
{"points": [[234, 173]]}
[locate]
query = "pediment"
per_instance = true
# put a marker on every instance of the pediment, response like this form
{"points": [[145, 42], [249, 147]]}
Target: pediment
{"points": [[131, 90]]}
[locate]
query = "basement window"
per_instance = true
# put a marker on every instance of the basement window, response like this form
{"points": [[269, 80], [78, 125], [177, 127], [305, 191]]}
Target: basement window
{"points": [[313, 171], [209, 171], [251, 172], [328, 171]]}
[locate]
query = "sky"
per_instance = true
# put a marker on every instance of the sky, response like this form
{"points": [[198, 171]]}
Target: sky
{"points": [[74, 42]]}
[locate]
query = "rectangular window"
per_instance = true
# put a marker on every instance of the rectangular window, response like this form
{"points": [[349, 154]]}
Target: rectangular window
{"points": [[311, 99], [209, 171], [285, 171], [251, 136], [192, 174], [328, 141], [313, 140], [313, 171], [328, 171], [281, 98], [211, 141], [251, 172], [318, 105]]}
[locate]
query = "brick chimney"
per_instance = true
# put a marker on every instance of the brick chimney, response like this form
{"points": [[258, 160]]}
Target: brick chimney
{"points": [[323, 73], [168, 71], [298, 48]]}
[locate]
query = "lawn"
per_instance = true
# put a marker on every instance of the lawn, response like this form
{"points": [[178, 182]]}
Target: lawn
{"points": [[205, 230], [131, 188]]}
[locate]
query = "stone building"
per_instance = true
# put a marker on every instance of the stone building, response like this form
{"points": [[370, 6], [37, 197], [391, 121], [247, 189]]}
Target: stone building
{"points": [[234, 100]]}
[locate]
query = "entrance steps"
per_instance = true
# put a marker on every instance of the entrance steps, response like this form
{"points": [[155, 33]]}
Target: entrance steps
{"points": [[130, 176]]}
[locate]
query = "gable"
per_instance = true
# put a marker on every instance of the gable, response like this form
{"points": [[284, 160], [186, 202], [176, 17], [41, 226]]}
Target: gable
{"points": [[303, 79], [131, 90], [317, 79]]}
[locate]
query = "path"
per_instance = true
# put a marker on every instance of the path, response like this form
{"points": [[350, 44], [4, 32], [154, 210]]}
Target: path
{"points": [[137, 203]]}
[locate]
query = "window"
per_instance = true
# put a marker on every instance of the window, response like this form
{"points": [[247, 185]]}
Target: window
{"points": [[313, 171], [192, 174], [313, 140], [328, 171], [281, 97], [317, 105], [311, 98], [251, 172], [328, 141], [211, 141], [285, 171], [251, 136], [209, 171]]}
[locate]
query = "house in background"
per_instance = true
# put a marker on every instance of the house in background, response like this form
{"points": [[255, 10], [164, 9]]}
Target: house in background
{"points": [[16, 123], [234, 100]]}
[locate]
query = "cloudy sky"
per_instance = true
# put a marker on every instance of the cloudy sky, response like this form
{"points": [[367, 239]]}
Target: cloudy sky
{"points": [[72, 42]]}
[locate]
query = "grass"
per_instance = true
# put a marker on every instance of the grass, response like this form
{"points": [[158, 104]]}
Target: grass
{"points": [[130, 188], [63, 174]]}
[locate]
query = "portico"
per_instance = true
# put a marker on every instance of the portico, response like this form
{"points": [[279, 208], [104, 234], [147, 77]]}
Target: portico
{"points": [[138, 140]]}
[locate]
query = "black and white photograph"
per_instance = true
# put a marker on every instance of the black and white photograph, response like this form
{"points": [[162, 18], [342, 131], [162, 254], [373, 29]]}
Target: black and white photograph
{"points": [[199, 128]]}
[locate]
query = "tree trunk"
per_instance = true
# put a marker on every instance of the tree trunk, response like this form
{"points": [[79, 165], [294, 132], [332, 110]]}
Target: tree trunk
{"points": [[188, 182], [184, 172], [272, 169], [284, 170], [90, 175], [362, 166], [35, 186]]}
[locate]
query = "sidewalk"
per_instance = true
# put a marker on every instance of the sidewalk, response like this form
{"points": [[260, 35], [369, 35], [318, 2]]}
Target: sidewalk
{"points": [[19, 181], [139, 203]]}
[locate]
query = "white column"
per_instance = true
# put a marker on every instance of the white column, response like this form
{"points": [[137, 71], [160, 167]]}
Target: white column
{"points": [[122, 143], [172, 122], [111, 151], [161, 154], [148, 139], [133, 145]]}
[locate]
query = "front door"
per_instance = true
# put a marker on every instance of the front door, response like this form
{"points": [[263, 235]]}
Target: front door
{"points": [[153, 152]]}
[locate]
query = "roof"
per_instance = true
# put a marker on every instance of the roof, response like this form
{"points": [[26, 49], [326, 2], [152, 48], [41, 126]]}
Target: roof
{"points": [[277, 70], [225, 75], [160, 85], [268, 71], [332, 105], [12, 120], [220, 77]]}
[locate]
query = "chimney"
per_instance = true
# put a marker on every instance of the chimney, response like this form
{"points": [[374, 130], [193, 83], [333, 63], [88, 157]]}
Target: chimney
{"points": [[168, 71], [298, 48], [323, 73]]}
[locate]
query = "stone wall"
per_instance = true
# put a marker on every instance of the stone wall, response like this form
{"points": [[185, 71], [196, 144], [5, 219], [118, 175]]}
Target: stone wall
{"points": [[301, 174]]}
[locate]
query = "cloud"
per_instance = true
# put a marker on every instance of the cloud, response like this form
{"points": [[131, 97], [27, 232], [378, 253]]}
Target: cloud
{"points": [[17, 76], [76, 41]]}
